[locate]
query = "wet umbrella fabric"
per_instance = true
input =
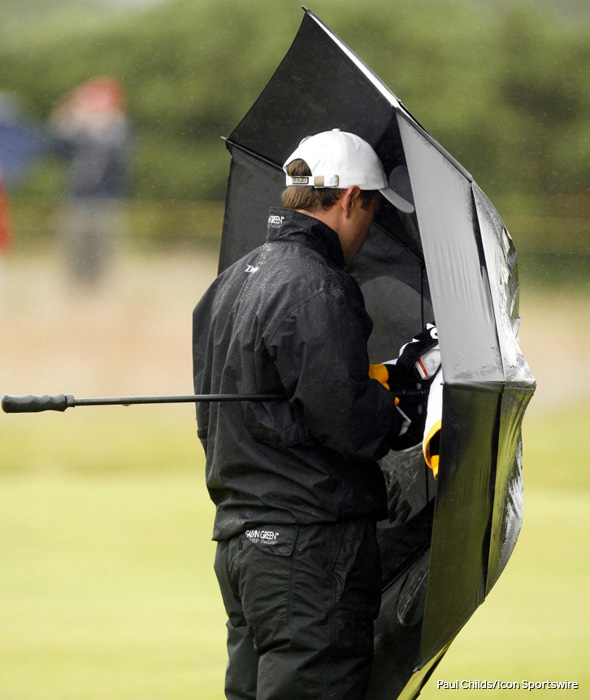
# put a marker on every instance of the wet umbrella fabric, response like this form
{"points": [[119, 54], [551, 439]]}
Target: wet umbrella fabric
{"points": [[453, 262]]}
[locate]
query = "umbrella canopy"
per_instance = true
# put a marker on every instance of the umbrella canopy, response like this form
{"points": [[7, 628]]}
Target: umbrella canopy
{"points": [[451, 262]]}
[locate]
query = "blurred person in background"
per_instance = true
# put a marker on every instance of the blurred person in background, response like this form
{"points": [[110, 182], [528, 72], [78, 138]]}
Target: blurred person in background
{"points": [[91, 130]]}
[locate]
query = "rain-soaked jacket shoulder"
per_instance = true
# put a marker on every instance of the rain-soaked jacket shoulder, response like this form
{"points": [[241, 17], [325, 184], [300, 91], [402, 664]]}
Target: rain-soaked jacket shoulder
{"points": [[288, 320]]}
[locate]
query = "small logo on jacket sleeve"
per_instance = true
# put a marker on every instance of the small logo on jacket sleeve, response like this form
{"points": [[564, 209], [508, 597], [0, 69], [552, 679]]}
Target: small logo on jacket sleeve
{"points": [[251, 268]]}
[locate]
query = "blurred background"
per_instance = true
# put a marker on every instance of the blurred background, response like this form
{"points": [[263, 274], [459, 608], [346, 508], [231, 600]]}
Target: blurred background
{"points": [[113, 181]]}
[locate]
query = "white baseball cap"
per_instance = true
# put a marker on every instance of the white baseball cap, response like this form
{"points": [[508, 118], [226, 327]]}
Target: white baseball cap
{"points": [[340, 159]]}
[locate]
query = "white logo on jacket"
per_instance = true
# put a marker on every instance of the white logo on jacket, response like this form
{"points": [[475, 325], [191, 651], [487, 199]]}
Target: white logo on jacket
{"points": [[275, 220], [263, 536], [251, 268]]}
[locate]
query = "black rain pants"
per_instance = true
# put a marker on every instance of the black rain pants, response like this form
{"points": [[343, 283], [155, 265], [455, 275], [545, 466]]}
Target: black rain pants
{"points": [[301, 602]]}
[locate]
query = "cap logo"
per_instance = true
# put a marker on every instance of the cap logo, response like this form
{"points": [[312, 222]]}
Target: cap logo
{"points": [[316, 181]]}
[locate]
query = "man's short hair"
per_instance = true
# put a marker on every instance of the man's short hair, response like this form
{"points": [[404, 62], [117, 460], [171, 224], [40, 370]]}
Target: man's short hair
{"points": [[312, 198]]}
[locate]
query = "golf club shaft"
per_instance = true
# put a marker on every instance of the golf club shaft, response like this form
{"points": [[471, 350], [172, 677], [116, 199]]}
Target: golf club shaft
{"points": [[31, 403]]}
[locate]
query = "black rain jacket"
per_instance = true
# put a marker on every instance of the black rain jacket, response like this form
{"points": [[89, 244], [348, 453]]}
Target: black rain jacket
{"points": [[288, 320]]}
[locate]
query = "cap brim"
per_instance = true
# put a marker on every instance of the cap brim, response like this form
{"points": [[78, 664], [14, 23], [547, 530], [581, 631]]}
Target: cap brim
{"points": [[397, 200]]}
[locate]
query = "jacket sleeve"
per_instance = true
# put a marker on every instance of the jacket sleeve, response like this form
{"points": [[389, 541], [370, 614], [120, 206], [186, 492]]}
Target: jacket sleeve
{"points": [[320, 351]]}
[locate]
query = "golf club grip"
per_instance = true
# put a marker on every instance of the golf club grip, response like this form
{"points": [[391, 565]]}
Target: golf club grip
{"points": [[34, 404]]}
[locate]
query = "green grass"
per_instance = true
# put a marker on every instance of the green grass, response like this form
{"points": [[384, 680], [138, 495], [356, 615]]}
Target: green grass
{"points": [[102, 441], [106, 582], [107, 588], [554, 448]]}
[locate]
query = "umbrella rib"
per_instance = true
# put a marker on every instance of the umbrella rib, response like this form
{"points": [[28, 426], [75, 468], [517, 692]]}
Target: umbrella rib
{"points": [[255, 155]]}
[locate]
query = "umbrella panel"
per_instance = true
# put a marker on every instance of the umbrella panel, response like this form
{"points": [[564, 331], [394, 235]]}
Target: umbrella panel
{"points": [[253, 188], [501, 266], [316, 88]]}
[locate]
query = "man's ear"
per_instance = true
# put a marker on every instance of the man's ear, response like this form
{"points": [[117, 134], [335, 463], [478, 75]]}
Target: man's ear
{"points": [[349, 200]]}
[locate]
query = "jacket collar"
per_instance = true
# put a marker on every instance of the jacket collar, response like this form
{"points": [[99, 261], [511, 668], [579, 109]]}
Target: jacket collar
{"points": [[290, 225]]}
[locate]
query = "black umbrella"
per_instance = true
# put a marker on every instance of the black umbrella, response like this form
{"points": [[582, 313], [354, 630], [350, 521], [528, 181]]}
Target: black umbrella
{"points": [[452, 262]]}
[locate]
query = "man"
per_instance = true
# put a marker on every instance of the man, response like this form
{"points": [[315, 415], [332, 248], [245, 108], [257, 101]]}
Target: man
{"points": [[295, 480], [91, 131]]}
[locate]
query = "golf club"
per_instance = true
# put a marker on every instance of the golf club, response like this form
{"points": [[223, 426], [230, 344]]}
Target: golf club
{"points": [[35, 403]]}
